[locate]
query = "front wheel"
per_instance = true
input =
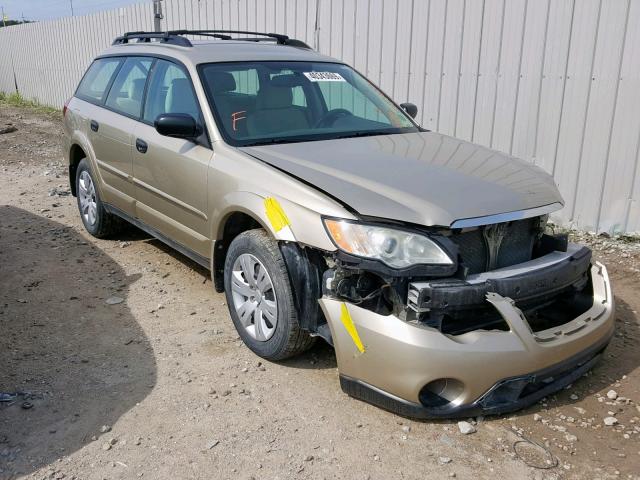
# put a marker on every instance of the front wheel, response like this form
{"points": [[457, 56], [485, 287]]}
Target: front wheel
{"points": [[260, 297]]}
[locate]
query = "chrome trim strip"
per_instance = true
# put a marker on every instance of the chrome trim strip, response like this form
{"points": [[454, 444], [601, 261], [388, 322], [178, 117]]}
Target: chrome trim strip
{"points": [[506, 217]]}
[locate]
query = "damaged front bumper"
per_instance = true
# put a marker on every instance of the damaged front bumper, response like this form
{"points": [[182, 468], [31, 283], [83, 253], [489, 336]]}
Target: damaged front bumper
{"points": [[419, 371]]}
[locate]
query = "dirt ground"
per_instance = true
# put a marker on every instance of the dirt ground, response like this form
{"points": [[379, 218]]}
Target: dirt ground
{"points": [[159, 386]]}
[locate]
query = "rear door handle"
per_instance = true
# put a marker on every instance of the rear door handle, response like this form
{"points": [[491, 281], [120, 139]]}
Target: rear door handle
{"points": [[141, 145], [94, 125]]}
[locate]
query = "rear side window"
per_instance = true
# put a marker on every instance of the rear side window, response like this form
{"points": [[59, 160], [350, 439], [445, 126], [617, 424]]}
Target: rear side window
{"points": [[95, 82], [170, 91], [125, 95]]}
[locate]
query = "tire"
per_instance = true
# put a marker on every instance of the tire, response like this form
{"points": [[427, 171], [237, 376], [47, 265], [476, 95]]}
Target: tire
{"points": [[255, 251], [96, 220]]}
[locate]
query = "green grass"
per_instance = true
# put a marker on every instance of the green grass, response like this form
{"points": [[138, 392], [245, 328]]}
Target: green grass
{"points": [[17, 100]]}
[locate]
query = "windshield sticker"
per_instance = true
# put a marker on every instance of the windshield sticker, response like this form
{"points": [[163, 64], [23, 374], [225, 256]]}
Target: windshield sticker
{"points": [[324, 77]]}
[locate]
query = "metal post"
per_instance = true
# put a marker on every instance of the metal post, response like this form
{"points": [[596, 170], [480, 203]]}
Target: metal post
{"points": [[13, 68], [71, 3], [157, 15]]}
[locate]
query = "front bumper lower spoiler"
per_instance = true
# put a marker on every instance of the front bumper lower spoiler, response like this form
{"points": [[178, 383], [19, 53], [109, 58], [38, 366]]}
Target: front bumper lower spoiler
{"points": [[505, 396], [494, 371]]}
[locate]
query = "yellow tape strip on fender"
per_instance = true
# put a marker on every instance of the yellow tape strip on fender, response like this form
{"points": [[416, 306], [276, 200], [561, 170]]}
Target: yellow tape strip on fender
{"points": [[347, 321], [275, 214]]}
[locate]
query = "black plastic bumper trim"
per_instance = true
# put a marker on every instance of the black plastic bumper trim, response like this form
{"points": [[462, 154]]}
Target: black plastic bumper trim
{"points": [[446, 295]]}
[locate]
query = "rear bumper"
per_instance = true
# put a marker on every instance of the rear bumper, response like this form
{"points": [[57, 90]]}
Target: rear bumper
{"points": [[480, 371]]}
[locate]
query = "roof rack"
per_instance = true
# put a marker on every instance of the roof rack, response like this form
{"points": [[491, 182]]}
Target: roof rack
{"points": [[175, 37], [163, 37]]}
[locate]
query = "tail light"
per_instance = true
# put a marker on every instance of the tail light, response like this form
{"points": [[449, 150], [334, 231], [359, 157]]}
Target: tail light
{"points": [[66, 104]]}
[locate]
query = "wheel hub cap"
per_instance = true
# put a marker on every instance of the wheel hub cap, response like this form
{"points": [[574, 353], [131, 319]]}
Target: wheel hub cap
{"points": [[87, 196], [254, 297]]}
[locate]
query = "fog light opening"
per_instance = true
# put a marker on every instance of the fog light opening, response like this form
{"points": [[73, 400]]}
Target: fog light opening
{"points": [[441, 392]]}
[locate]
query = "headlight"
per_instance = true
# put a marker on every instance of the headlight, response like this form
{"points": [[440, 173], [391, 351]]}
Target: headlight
{"points": [[396, 248]]}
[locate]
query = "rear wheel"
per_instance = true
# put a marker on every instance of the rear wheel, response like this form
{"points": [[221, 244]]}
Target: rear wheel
{"points": [[97, 221], [260, 297]]}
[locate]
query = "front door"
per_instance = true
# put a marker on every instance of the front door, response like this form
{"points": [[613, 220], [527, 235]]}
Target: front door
{"points": [[170, 174]]}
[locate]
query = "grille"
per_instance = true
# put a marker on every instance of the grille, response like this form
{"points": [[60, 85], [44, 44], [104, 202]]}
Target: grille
{"points": [[516, 247]]}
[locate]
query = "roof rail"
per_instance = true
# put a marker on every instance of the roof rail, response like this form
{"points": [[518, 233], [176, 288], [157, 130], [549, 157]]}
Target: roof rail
{"points": [[163, 37], [291, 42], [282, 39], [175, 37]]}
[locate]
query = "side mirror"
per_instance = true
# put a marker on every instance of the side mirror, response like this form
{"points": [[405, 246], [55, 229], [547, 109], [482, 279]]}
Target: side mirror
{"points": [[410, 108], [178, 125]]}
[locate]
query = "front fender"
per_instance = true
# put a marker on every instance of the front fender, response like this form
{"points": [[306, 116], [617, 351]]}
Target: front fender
{"points": [[283, 219]]}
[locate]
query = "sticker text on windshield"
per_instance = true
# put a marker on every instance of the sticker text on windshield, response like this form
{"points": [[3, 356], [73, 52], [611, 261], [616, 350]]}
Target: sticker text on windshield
{"points": [[324, 77]]}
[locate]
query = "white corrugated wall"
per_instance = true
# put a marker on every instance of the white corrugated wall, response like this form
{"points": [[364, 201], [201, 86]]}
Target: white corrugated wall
{"points": [[554, 81]]}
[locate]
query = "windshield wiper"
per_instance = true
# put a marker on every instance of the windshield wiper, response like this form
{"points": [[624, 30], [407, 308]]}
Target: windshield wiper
{"points": [[318, 137], [366, 134], [271, 141]]}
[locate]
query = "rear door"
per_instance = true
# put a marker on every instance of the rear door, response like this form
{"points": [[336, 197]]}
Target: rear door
{"points": [[93, 90], [111, 131], [170, 174]]}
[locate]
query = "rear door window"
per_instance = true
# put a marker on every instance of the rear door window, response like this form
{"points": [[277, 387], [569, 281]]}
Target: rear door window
{"points": [[95, 82], [125, 95]]}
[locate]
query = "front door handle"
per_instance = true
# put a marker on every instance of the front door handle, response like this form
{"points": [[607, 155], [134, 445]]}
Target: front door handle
{"points": [[94, 125], [141, 145]]}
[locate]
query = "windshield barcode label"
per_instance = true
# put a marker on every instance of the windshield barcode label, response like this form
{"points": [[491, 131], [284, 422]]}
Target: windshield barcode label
{"points": [[324, 77]]}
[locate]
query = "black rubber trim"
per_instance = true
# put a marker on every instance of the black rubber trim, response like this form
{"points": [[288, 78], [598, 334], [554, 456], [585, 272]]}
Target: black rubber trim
{"points": [[187, 252], [578, 365]]}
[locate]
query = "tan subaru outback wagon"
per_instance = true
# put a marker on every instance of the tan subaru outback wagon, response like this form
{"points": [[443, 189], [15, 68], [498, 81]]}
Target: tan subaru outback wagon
{"points": [[323, 210]]}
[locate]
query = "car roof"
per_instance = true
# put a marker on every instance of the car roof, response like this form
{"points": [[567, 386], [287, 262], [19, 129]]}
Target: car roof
{"points": [[221, 51]]}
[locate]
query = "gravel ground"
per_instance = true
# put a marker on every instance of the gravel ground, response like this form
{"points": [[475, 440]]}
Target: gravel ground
{"points": [[127, 365]]}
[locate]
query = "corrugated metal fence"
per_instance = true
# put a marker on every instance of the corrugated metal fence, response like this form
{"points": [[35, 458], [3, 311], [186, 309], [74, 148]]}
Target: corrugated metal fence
{"points": [[554, 81]]}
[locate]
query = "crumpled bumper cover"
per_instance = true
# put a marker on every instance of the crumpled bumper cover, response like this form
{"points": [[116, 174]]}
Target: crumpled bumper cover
{"points": [[498, 371]]}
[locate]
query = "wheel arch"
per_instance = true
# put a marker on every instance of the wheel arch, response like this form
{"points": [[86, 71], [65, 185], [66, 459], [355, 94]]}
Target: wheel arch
{"points": [[233, 223], [76, 154], [282, 219]]}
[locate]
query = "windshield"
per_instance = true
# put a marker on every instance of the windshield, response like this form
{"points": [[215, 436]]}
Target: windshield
{"points": [[258, 103]]}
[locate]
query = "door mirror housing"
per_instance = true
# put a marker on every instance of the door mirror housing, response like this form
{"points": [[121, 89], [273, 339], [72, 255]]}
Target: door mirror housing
{"points": [[410, 108], [177, 125]]}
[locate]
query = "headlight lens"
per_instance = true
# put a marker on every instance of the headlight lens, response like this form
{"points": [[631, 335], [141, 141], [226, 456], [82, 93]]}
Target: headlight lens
{"points": [[396, 248]]}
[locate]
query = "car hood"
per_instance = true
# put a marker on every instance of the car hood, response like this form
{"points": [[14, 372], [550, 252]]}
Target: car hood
{"points": [[423, 178]]}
